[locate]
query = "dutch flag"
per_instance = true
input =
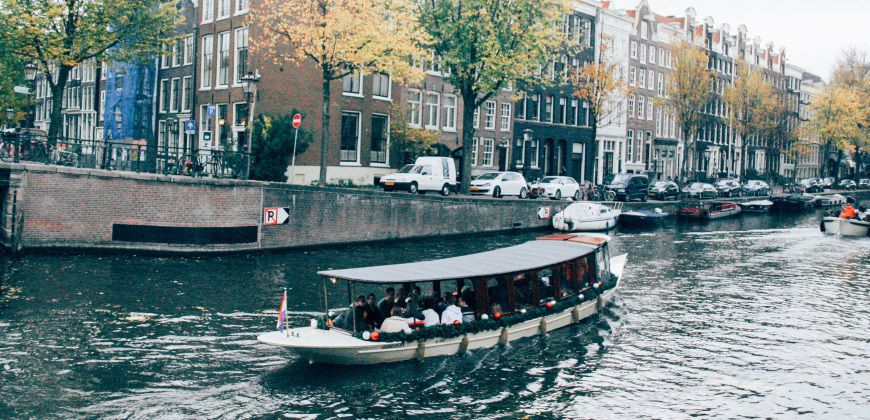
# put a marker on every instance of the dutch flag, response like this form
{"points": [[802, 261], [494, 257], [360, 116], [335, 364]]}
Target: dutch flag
{"points": [[282, 312]]}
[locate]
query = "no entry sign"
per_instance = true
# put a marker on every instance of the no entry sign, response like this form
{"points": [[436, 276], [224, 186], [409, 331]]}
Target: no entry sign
{"points": [[297, 120], [276, 215]]}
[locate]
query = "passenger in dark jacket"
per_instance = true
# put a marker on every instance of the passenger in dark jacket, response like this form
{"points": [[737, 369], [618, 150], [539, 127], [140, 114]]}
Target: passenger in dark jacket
{"points": [[385, 306]]}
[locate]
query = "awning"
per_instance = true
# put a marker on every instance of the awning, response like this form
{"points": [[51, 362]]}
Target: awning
{"points": [[528, 256]]}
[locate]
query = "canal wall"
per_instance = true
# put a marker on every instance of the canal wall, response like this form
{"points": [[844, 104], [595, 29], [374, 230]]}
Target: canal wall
{"points": [[49, 207]]}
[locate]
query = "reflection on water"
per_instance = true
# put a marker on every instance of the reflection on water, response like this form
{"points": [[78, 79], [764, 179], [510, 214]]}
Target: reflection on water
{"points": [[755, 316]]}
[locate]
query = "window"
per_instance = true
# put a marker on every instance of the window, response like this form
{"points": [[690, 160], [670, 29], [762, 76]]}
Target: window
{"points": [[641, 79], [381, 85], [222, 131], [650, 76], [474, 143], [490, 115], [380, 138], [521, 107], [559, 112], [571, 114], [164, 95], [186, 93], [658, 121], [643, 53], [223, 9], [241, 58], [433, 110], [207, 61], [351, 85], [207, 11], [350, 136], [649, 108], [164, 60], [223, 59], [631, 99], [662, 56], [533, 153], [505, 120], [188, 49], [629, 149], [652, 55], [632, 76], [548, 109], [177, 52], [476, 118], [240, 114], [660, 84], [241, 6], [204, 125], [488, 149], [414, 108], [640, 109], [533, 107], [449, 112], [633, 50], [173, 95], [102, 104]]}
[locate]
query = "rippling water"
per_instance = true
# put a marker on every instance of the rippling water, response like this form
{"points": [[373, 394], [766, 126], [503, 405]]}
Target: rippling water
{"points": [[751, 317]]}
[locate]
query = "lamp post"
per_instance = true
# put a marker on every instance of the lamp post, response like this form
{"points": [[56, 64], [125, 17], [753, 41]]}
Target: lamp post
{"points": [[249, 86], [30, 70]]}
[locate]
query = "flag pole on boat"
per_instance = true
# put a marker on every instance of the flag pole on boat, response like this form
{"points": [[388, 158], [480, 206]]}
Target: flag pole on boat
{"points": [[282, 314]]}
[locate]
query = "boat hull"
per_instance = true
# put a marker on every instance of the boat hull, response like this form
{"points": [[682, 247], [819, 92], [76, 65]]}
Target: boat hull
{"points": [[344, 349], [845, 227]]}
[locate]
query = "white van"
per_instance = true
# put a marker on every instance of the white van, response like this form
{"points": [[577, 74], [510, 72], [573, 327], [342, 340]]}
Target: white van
{"points": [[428, 173]]}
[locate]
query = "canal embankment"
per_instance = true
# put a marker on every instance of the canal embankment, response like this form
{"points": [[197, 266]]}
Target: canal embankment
{"points": [[55, 207]]}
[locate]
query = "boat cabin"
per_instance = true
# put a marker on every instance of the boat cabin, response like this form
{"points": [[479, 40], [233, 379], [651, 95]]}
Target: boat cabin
{"points": [[492, 283]]}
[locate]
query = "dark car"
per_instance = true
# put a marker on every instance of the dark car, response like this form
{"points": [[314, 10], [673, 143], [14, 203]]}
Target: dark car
{"points": [[847, 184], [661, 190], [810, 185], [627, 187], [729, 188], [700, 190], [864, 183], [757, 187]]}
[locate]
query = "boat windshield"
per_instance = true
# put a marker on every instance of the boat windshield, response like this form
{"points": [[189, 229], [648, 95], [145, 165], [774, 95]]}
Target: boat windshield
{"points": [[490, 175]]}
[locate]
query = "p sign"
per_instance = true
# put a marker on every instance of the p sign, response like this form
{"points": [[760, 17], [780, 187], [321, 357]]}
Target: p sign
{"points": [[297, 120], [545, 212], [276, 216]]}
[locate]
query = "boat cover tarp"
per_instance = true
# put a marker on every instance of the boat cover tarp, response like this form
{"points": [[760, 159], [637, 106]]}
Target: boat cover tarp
{"points": [[528, 256]]}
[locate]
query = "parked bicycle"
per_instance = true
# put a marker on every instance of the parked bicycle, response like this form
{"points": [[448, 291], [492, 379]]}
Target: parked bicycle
{"points": [[599, 193]]}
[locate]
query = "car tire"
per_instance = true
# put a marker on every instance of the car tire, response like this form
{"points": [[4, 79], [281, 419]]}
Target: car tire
{"points": [[558, 195], [445, 190], [496, 192], [413, 189], [577, 195], [524, 193], [643, 199]]}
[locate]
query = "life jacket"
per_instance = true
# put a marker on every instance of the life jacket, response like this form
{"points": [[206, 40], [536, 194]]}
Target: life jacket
{"points": [[848, 212]]}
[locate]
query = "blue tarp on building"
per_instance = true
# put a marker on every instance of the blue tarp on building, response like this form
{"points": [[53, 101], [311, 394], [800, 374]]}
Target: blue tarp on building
{"points": [[129, 102]]}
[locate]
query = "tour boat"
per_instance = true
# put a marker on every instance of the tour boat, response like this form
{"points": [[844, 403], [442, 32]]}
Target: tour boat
{"points": [[642, 217], [539, 286], [833, 200], [845, 227], [758, 206], [708, 210], [587, 216]]}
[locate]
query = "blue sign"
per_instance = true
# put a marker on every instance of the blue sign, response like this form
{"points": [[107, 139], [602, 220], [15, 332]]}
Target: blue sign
{"points": [[190, 126], [212, 110]]}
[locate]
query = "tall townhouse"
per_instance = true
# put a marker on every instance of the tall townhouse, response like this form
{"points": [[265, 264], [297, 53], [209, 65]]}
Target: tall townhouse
{"points": [[792, 99], [176, 83], [762, 150], [552, 129], [810, 163], [80, 104]]}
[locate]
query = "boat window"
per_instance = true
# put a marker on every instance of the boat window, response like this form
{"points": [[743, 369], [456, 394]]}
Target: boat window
{"points": [[601, 256], [547, 284], [524, 295]]}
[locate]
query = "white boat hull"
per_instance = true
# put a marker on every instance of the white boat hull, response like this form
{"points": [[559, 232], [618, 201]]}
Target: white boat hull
{"points": [[586, 217], [337, 347], [845, 227]]}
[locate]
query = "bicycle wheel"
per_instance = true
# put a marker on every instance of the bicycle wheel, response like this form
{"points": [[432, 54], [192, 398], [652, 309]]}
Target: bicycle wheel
{"points": [[7, 152], [610, 195]]}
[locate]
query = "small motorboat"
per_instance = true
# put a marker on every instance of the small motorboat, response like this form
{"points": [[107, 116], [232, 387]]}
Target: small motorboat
{"points": [[833, 200], [757, 206], [793, 202], [708, 210], [587, 216], [642, 217], [845, 227]]}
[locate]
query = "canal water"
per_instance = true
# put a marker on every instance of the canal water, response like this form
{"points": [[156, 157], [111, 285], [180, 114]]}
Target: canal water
{"points": [[758, 316]]}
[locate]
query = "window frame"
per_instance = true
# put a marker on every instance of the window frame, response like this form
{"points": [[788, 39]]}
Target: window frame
{"points": [[206, 83], [428, 108], [358, 139], [450, 113], [386, 151]]}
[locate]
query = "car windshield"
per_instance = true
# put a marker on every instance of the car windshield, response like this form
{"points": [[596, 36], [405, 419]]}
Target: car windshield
{"points": [[550, 180], [723, 183], [660, 184], [696, 186], [491, 175], [621, 179], [407, 169]]}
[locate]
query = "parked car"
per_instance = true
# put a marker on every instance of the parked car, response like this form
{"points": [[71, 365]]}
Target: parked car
{"points": [[756, 187], [729, 188], [828, 182], [499, 184], [557, 187], [661, 190], [810, 185], [700, 190], [428, 173], [847, 184], [629, 186], [864, 183]]}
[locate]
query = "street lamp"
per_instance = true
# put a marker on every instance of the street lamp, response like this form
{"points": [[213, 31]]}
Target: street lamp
{"points": [[249, 86], [30, 72]]}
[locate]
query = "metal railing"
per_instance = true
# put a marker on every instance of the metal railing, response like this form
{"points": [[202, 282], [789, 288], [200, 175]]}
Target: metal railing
{"points": [[135, 156]]}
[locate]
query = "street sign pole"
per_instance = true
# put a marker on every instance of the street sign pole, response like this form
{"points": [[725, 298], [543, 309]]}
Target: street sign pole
{"points": [[297, 121]]}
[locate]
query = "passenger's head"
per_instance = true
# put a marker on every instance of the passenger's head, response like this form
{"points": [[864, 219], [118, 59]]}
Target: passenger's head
{"points": [[371, 298], [461, 302], [390, 292], [449, 298], [360, 300], [396, 311], [415, 291], [496, 307], [862, 208]]}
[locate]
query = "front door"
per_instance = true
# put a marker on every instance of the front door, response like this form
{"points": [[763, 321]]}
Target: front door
{"points": [[608, 165], [502, 158]]}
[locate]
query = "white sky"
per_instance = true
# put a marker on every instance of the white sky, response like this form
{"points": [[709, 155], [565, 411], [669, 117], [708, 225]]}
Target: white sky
{"points": [[812, 32]]}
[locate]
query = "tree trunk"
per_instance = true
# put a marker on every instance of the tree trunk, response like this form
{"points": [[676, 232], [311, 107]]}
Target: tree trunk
{"points": [[468, 99], [593, 157], [684, 168], [744, 161], [56, 117], [324, 132]]}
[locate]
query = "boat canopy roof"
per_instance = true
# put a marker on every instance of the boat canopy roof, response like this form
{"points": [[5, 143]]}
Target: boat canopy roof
{"points": [[547, 251]]}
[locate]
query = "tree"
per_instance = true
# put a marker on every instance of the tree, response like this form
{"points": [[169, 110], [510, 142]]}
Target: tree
{"points": [[272, 146], [11, 75], [751, 105], [853, 72], [687, 92], [62, 34], [406, 142], [487, 45], [599, 85], [341, 38], [839, 117]]}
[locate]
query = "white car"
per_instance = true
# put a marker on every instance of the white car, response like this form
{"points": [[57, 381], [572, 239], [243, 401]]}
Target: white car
{"points": [[558, 187], [428, 173], [499, 184]]}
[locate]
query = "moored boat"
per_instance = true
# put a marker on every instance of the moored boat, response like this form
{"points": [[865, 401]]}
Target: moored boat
{"points": [[833, 200], [708, 210], [757, 206], [587, 216], [793, 202], [642, 217], [517, 292], [845, 227]]}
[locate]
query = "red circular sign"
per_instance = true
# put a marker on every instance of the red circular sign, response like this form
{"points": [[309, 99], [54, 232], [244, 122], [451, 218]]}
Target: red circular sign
{"points": [[297, 120]]}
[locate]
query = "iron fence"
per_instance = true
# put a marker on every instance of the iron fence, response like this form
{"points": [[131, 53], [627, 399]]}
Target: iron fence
{"points": [[136, 156]]}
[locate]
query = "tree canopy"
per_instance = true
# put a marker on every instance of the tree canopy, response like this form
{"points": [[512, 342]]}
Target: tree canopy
{"points": [[751, 105]]}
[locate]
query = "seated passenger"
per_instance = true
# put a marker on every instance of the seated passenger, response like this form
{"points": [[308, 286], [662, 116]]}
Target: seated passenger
{"points": [[385, 306], [452, 313], [430, 317], [373, 315], [395, 323], [848, 212], [467, 312], [444, 303], [496, 309], [355, 319], [862, 213], [468, 296]]}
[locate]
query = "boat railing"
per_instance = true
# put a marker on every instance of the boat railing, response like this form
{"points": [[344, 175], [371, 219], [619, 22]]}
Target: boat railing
{"points": [[615, 205]]}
